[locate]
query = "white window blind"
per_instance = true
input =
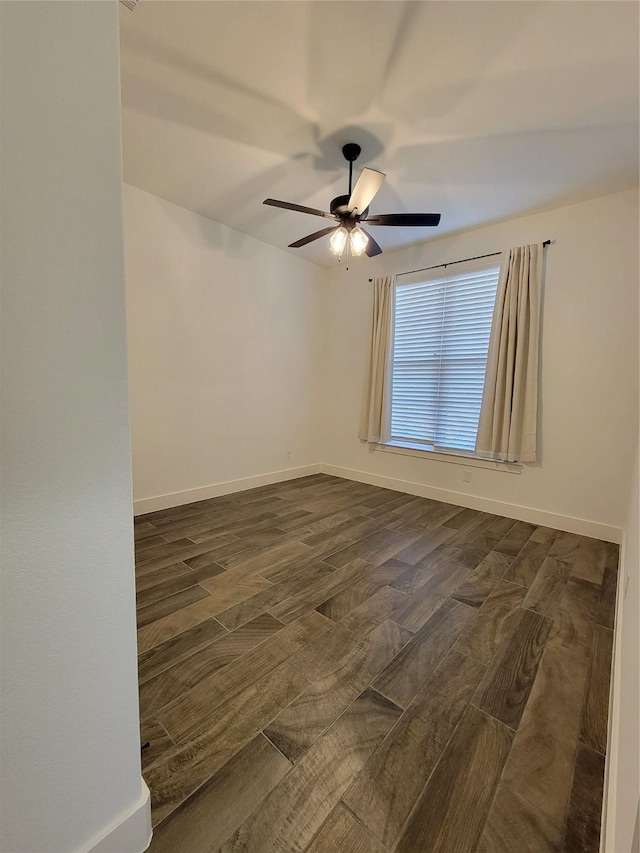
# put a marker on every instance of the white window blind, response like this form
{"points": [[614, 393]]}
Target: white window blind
{"points": [[441, 339]]}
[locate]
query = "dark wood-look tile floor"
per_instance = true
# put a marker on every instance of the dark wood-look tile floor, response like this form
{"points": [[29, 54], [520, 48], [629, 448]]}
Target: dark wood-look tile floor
{"points": [[327, 665]]}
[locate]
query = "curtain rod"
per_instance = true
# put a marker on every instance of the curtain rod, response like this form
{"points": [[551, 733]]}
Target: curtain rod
{"points": [[451, 263]]}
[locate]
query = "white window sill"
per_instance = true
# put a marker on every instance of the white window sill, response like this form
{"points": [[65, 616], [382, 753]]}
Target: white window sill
{"points": [[457, 458]]}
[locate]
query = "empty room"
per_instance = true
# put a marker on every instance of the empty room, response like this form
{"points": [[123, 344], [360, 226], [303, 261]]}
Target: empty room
{"points": [[320, 426]]}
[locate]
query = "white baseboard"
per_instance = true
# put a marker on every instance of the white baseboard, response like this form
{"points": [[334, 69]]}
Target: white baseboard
{"points": [[216, 489], [131, 833], [581, 526]]}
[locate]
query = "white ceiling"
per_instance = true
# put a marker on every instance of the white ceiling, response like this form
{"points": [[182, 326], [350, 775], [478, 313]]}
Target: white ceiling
{"points": [[477, 110]]}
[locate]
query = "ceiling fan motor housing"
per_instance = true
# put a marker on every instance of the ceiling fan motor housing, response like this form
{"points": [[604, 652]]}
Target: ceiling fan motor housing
{"points": [[340, 207]]}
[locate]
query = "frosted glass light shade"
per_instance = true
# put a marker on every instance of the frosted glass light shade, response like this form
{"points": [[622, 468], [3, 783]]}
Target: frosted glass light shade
{"points": [[359, 241], [338, 240]]}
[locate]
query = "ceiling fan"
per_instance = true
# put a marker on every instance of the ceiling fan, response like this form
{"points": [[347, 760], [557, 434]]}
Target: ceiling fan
{"points": [[351, 211]]}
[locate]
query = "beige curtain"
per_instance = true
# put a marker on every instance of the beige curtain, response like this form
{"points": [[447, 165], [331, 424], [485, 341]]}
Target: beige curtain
{"points": [[374, 425], [507, 428]]}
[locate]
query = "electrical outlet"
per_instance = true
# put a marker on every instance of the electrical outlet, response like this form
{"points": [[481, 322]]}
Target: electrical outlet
{"points": [[466, 476], [287, 454]]}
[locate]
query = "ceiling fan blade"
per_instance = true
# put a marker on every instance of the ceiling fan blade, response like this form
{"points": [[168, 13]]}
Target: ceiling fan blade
{"points": [[287, 205], [311, 237], [372, 248], [365, 189], [404, 219]]}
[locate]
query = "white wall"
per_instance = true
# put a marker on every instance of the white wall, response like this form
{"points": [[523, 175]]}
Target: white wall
{"points": [[224, 354], [589, 381], [70, 745]]}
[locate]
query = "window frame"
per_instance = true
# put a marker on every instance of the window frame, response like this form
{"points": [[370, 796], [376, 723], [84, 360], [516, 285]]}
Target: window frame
{"points": [[416, 447]]}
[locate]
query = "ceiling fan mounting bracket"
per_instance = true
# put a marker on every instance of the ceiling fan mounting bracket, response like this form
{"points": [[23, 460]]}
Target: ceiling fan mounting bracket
{"points": [[351, 151]]}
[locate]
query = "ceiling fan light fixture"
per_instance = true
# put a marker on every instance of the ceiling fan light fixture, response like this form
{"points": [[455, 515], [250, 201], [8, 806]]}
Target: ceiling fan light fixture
{"points": [[338, 240], [348, 210], [359, 241]]}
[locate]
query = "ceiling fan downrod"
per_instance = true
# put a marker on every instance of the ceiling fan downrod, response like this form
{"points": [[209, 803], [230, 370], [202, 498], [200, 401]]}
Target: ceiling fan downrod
{"points": [[351, 151]]}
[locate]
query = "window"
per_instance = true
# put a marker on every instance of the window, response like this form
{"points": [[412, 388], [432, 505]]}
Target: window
{"points": [[441, 338]]}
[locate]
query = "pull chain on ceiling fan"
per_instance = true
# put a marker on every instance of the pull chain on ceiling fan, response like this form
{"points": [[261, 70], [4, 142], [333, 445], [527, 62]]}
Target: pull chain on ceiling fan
{"points": [[351, 210]]}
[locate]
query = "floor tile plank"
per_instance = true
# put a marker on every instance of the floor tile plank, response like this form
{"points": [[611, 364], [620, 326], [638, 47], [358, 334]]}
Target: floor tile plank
{"points": [[386, 790], [208, 818], [296, 808], [574, 619], [166, 606], [176, 570], [319, 591], [182, 770], [155, 740], [506, 686], [175, 681], [175, 623], [373, 611], [461, 519], [514, 824], [343, 602], [590, 561], [482, 638], [593, 731], [307, 717], [540, 764], [218, 550], [151, 550], [478, 584], [545, 591], [418, 608], [341, 831], [193, 554], [441, 572], [163, 589], [423, 545], [143, 530], [585, 804], [376, 548], [319, 657], [525, 567], [566, 547], [516, 539], [247, 609], [468, 772], [178, 648], [269, 563], [197, 709], [403, 677], [227, 589], [607, 606]]}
